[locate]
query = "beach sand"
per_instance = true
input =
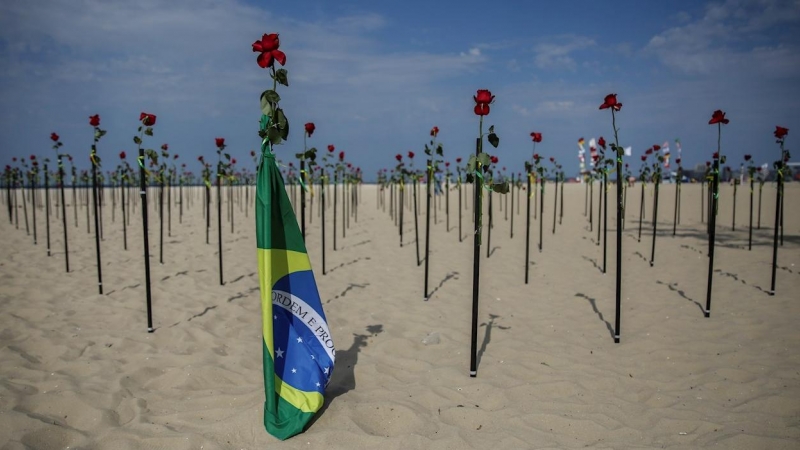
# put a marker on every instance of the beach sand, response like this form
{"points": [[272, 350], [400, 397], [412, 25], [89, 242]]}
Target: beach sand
{"points": [[78, 370]]}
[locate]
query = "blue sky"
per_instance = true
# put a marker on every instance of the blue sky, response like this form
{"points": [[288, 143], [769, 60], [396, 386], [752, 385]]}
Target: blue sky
{"points": [[376, 76]]}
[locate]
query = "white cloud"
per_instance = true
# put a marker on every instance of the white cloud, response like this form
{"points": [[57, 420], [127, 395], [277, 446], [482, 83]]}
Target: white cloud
{"points": [[556, 54]]}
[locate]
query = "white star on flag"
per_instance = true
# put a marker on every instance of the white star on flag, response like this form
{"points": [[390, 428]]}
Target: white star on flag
{"points": [[294, 370], [279, 353], [326, 370], [299, 340], [318, 384]]}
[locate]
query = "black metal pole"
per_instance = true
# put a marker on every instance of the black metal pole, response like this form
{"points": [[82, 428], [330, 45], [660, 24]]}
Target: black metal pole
{"points": [[603, 189], [476, 261], [96, 226], [605, 219], [219, 219], [489, 229], [428, 224], [733, 219], [208, 211], [143, 196], [777, 225], [63, 211], [402, 209], [303, 198], [512, 206], [702, 201], [447, 203], [712, 221], [528, 229], [585, 197], [760, 189], [416, 222], [459, 208], [641, 214], [750, 228], [322, 193], [33, 206], [541, 214], [591, 202], [620, 221], [655, 221], [335, 184], [124, 228], [677, 196], [555, 203], [46, 205], [161, 220], [561, 205]]}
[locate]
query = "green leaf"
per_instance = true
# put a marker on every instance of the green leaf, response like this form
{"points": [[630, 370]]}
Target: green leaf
{"points": [[298, 155], [471, 164], [501, 188], [484, 159], [227, 156], [722, 159], [266, 106], [274, 136], [493, 139], [491, 129], [528, 166], [137, 140], [282, 77], [148, 131], [440, 150], [271, 96]]}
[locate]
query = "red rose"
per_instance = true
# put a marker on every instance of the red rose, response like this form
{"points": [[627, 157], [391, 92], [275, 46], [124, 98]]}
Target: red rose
{"points": [[649, 151], [482, 109], [644, 158], [537, 137], [233, 161], [341, 156], [14, 159], [35, 163], [268, 49], [349, 165], [200, 158], [69, 158], [435, 131], [252, 153], [708, 163], [678, 161], [611, 102], [164, 147], [747, 157], [780, 132], [410, 155], [601, 142], [310, 127], [33, 157], [656, 147], [122, 155], [447, 164], [53, 137], [94, 120], [398, 157], [718, 117], [483, 96], [220, 142], [175, 156], [494, 159], [291, 164], [536, 156], [626, 164], [458, 160], [552, 159], [331, 148], [147, 119], [715, 155]]}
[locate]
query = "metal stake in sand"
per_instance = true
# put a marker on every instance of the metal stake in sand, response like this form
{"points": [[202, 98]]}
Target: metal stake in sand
{"points": [[780, 166], [717, 118], [428, 221], [512, 205], [63, 210], [528, 222], [610, 102], [657, 182], [46, 204], [416, 222], [95, 160]]}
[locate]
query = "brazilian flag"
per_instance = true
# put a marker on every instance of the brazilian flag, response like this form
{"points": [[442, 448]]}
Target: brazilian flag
{"points": [[297, 346]]}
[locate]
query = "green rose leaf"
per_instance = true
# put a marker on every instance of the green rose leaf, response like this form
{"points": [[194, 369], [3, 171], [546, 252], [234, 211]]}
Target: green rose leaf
{"points": [[471, 164], [282, 77], [528, 166], [484, 159], [137, 140], [501, 188], [493, 139], [271, 96], [274, 136], [440, 150]]}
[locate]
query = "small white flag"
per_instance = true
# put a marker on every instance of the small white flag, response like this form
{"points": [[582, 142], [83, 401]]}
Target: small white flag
{"points": [[628, 151]]}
